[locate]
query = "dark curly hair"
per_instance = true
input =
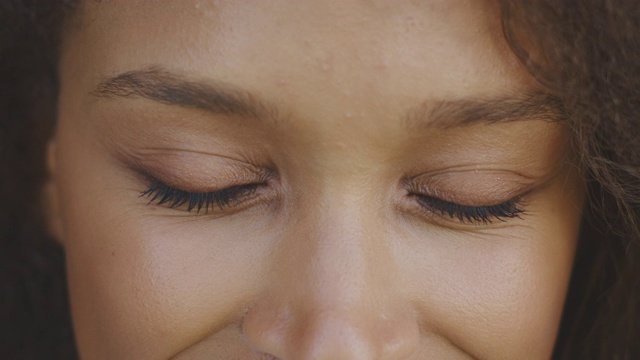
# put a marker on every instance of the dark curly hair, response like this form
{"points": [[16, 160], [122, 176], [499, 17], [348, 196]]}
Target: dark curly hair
{"points": [[585, 53]]}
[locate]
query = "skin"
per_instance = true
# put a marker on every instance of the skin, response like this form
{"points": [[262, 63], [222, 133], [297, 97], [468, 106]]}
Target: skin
{"points": [[333, 256]]}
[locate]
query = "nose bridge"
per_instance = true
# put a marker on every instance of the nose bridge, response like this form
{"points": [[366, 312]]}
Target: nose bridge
{"points": [[330, 257], [332, 294], [342, 251]]}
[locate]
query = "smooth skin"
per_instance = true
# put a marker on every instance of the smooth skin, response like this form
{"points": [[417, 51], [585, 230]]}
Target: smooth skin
{"points": [[344, 113]]}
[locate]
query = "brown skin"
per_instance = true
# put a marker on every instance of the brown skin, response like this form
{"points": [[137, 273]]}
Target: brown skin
{"points": [[332, 257]]}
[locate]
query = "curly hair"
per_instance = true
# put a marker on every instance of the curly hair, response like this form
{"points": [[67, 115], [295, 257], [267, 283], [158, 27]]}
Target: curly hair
{"points": [[586, 53], [33, 303]]}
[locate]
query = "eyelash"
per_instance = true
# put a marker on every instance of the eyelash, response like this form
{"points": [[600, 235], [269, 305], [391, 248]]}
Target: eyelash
{"points": [[161, 194], [472, 214]]}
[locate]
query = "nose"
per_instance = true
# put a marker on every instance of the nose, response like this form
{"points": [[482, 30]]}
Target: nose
{"points": [[334, 294]]}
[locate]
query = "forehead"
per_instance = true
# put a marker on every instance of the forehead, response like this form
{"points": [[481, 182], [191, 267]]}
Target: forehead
{"points": [[327, 50]]}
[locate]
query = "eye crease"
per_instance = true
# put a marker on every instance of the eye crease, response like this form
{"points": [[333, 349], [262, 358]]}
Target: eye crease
{"points": [[471, 205]]}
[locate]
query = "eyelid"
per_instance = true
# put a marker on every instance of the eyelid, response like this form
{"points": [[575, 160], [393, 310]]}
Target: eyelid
{"points": [[161, 194], [450, 208], [192, 170], [472, 190], [226, 186], [195, 181], [482, 215]]}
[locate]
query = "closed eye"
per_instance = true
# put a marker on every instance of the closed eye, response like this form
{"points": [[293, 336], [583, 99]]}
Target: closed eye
{"points": [[471, 214], [161, 194]]}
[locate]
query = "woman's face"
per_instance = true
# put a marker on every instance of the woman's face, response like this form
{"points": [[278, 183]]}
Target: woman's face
{"points": [[308, 180]]}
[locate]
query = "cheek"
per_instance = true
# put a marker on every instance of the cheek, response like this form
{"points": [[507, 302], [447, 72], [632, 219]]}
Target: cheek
{"points": [[501, 296], [145, 282]]}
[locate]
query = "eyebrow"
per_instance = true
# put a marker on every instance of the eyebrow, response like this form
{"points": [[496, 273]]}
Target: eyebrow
{"points": [[170, 88], [533, 105]]}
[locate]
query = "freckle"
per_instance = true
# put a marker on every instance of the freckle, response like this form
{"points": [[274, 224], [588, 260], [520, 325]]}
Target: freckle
{"points": [[409, 21], [382, 65], [326, 66], [113, 253], [281, 82]]}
